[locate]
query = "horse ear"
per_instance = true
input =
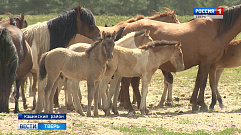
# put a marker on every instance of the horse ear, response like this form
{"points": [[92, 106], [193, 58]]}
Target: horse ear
{"points": [[114, 35], [174, 11], [103, 34], [22, 16], [79, 9], [147, 33]]}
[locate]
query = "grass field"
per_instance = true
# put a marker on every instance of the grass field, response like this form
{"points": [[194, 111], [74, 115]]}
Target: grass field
{"points": [[176, 120]]}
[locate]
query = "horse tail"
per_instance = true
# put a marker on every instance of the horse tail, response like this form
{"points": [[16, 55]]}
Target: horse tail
{"points": [[42, 69]]}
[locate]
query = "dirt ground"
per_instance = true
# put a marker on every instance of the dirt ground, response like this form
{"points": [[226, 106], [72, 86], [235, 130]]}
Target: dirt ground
{"points": [[176, 118]]}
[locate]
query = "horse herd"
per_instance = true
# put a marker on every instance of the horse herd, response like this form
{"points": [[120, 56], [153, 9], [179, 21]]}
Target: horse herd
{"points": [[70, 48]]}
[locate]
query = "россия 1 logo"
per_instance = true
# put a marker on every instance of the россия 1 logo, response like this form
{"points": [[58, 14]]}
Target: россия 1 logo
{"points": [[212, 13]]}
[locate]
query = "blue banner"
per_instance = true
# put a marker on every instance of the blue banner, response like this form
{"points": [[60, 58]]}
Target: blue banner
{"points": [[204, 11], [42, 126], [51, 126], [22, 116]]}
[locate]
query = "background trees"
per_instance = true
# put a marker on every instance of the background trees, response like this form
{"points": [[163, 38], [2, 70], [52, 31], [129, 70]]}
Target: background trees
{"points": [[109, 7]]}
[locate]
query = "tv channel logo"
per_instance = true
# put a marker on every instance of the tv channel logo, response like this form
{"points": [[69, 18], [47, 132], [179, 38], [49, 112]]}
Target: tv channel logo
{"points": [[212, 13]]}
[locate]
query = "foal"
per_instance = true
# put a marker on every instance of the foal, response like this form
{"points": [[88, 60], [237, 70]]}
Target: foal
{"points": [[89, 65]]}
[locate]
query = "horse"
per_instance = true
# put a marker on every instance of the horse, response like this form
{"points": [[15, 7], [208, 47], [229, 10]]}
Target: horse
{"points": [[18, 21], [24, 59], [57, 32], [8, 67], [217, 34], [131, 40], [167, 16], [89, 65], [230, 59], [133, 62]]}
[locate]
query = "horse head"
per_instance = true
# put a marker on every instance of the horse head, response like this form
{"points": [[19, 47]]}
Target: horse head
{"points": [[108, 43], [86, 24]]}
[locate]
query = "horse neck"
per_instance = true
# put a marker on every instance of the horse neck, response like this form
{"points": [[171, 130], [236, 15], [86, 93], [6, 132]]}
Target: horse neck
{"points": [[162, 53], [98, 53]]}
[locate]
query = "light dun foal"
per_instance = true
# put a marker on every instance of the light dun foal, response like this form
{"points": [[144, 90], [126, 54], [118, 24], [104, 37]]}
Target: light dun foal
{"points": [[89, 65]]}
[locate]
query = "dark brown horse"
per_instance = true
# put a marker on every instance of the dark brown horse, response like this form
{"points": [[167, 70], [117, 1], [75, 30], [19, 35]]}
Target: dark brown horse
{"points": [[203, 43], [24, 58], [8, 67], [58, 32]]}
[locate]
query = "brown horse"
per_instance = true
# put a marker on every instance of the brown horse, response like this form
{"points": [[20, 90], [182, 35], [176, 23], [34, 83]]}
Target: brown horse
{"points": [[89, 65], [16, 21], [203, 43], [230, 59], [24, 55], [57, 32], [8, 68], [168, 16]]}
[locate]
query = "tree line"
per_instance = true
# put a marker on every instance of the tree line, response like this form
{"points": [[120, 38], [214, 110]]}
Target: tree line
{"points": [[109, 7]]}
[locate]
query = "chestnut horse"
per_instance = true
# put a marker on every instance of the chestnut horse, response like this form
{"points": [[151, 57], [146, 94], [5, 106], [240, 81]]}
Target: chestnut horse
{"points": [[57, 32], [89, 65], [203, 43], [230, 59], [24, 61]]}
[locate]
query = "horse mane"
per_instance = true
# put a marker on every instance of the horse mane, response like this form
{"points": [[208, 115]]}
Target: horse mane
{"points": [[153, 44], [8, 54], [64, 27], [108, 35], [230, 15], [119, 33], [93, 45]]}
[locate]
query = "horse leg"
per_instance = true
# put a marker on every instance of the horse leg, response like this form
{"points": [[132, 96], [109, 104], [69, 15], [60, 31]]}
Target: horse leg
{"points": [[116, 83], [91, 92], [96, 96], [125, 89], [16, 95], [56, 97], [51, 97], [213, 85], [193, 99], [67, 90], [30, 77], [74, 90], [205, 68], [102, 89], [23, 93], [34, 89], [135, 81], [164, 93], [146, 77], [169, 95], [218, 75]]}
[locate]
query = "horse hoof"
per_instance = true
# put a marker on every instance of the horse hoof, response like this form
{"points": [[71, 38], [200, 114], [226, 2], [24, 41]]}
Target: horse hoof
{"points": [[107, 113], [96, 114], [204, 109], [221, 106], [168, 104], [70, 108], [88, 114], [16, 111], [131, 113], [195, 108], [25, 107], [116, 113]]}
